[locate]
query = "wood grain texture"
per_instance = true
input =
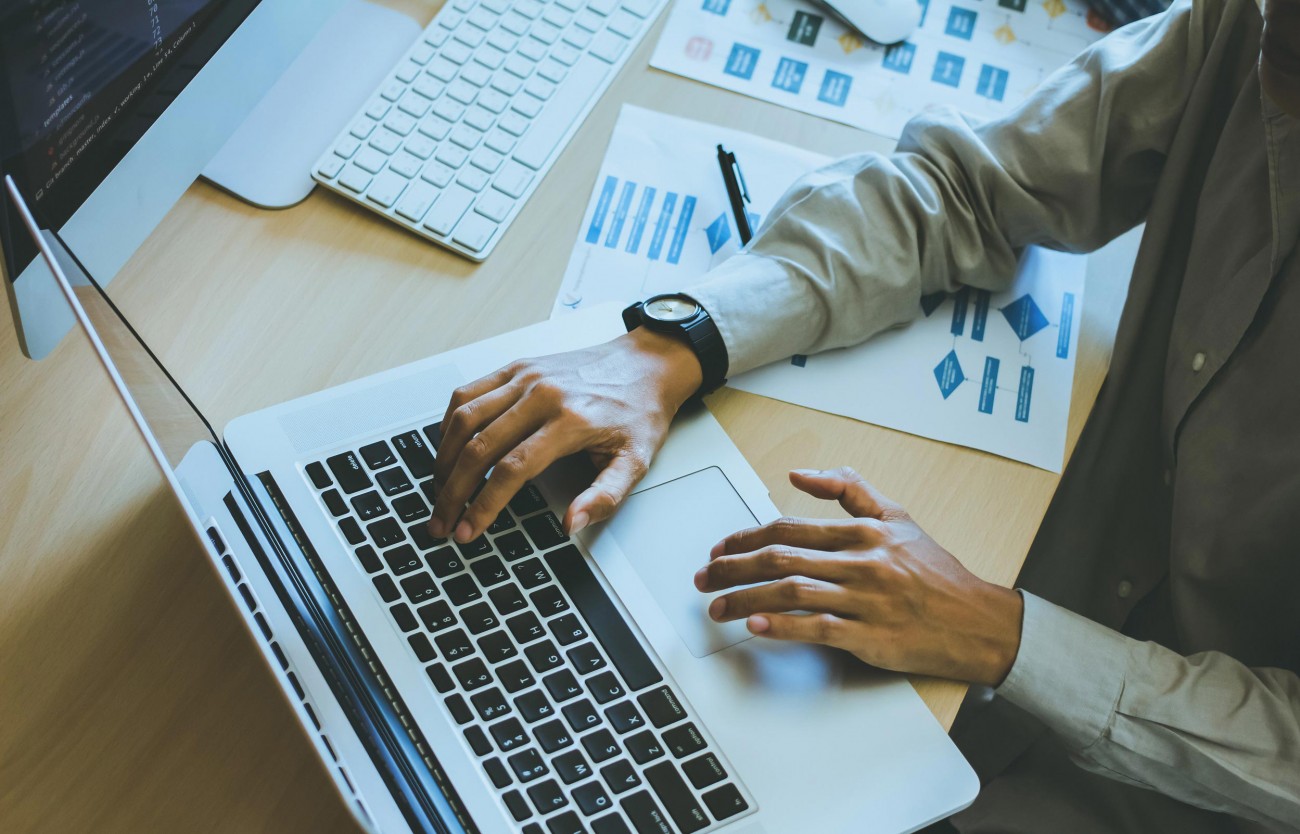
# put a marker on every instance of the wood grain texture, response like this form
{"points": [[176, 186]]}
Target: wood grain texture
{"points": [[130, 698]]}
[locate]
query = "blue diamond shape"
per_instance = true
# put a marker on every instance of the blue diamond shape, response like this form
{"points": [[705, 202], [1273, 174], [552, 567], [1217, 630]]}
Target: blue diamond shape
{"points": [[948, 374], [1024, 317], [719, 232]]}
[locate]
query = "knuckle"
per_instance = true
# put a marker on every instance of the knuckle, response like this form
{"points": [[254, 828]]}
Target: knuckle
{"points": [[476, 449], [777, 557], [511, 467], [825, 628], [848, 473], [461, 416]]}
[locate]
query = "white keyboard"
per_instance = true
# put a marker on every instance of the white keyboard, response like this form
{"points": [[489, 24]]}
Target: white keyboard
{"points": [[454, 141]]}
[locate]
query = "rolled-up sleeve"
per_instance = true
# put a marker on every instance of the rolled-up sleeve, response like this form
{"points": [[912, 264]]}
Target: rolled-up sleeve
{"points": [[850, 249], [1204, 729]]}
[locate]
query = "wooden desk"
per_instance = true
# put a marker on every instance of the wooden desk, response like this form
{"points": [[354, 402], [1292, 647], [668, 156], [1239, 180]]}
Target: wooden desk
{"points": [[130, 700]]}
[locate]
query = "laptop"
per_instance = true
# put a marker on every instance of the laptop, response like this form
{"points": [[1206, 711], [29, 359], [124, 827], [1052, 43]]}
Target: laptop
{"points": [[527, 681]]}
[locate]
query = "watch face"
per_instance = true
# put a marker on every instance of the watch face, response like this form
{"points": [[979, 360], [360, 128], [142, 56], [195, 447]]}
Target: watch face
{"points": [[671, 308]]}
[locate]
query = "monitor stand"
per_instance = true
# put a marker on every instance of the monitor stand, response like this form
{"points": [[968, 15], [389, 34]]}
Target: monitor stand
{"points": [[268, 159]]}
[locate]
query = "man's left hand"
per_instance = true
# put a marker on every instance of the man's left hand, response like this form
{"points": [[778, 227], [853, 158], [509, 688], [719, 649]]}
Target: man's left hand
{"points": [[875, 585]]}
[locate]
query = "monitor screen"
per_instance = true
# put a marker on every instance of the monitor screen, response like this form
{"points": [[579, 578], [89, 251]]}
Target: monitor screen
{"points": [[81, 81]]}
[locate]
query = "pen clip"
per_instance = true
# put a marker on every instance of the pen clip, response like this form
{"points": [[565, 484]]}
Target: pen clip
{"points": [[744, 189]]}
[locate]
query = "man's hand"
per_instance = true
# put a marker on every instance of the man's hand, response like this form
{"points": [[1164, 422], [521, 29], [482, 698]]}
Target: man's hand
{"points": [[614, 401], [875, 585]]}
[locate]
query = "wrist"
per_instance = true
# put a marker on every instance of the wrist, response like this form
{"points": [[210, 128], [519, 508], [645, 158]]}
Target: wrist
{"points": [[1001, 614], [673, 365]]}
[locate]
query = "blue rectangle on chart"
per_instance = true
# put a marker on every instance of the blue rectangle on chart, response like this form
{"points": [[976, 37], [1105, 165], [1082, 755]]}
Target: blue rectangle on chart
{"points": [[661, 225], [992, 83], [925, 10], [741, 61], [1067, 325], [602, 209], [981, 315], [961, 23], [835, 88], [989, 386], [620, 214], [947, 69], [640, 219], [1026, 394], [960, 301], [789, 75], [717, 6], [899, 57], [683, 226]]}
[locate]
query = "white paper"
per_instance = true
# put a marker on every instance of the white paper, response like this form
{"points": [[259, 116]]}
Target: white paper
{"points": [[659, 217], [992, 371], [980, 56]]}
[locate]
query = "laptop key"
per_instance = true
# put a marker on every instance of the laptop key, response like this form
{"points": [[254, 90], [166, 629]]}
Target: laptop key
{"points": [[571, 767], [430, 490], [422, 647], [368, 505], [586, 658], [527, 500], [644, 747], [459, 710], [526, 627], [461, 590], [518, 807], [385, 532], [528, 765], [454, 644], [684, 740], [611, 824], [377, 455], [369, 559], [566, 823], [704, 771], [405, 619], [581, 715], [605, 687], [545, 531], [562, 685], [672, 791], [478, 741], [436, 615], [402, 559], [531, 573], [514, 546], [533, 706], [725, 801], [509, 734], [444, 562], [419, 587], [490, 571], [422, 538], [393, 481], [335, 503], [549, 600], [348, 472], [497, 772], [497, 647], [547, 796], [601, 745], [319, 477], [414, 450], [387, 588], [479, 618], [440, 678], [662, 707], [503, 522], [625, 719], [515, 676], [591, 798], [508, 599], [473, 549], [543, 656], [490, 704], [472, 674], [434, 433], [620, 776], [411, 507], [351, 531], [568, 630], [553, 736]]}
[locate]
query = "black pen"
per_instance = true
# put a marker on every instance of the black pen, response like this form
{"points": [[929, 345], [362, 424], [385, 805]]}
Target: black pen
{"points": [[736, 192]]}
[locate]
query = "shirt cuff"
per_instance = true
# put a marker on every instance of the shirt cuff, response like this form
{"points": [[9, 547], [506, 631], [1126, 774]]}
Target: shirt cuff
{"points": [[761, 310], [1069, 672]]}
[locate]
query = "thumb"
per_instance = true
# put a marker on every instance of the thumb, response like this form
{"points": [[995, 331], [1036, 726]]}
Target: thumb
{"points": [[858, 498], [599, 501]]}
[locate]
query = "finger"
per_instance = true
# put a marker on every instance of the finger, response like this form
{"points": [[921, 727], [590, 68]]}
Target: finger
{"points": [[858, 498], [516, 467], [818, 534], [797, 593], [607, 491], [480, 453], [824, 629], [768, 564], [467, 420], [473, 390]]}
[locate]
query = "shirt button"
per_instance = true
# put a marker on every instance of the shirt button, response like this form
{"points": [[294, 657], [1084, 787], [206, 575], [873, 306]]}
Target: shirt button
{"points": [[1123, 589], [1198, 362]]}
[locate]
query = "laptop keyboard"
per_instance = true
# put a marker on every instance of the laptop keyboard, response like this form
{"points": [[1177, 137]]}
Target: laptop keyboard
{"points": [[556, 696]]}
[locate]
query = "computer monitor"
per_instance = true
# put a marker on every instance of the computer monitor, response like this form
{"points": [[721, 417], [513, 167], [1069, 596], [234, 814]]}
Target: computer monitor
{"points": [[109, 110]]}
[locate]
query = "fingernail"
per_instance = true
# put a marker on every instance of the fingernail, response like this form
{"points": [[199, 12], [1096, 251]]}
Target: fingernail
{"points": [[701, 578], [580, 522], [809, 473], [718, 608], [758, 624], [463, 532]]}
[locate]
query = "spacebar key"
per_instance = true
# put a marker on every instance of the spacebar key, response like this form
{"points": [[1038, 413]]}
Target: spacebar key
{"points": [[603, 619], [561, 111]]}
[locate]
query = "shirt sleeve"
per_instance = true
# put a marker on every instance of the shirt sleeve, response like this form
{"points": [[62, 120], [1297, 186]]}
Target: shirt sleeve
{"points": [[850, 249], [1203, 729]]}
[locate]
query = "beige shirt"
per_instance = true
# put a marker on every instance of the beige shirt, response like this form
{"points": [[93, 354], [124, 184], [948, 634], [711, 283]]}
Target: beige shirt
{"points": [[1175, 532]]}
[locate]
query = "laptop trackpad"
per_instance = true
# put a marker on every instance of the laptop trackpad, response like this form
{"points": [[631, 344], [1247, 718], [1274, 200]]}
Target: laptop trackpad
{"points": [[666, 532]]}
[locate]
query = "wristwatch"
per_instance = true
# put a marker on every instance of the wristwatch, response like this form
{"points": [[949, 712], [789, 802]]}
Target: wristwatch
{"points": [[683, 317]]}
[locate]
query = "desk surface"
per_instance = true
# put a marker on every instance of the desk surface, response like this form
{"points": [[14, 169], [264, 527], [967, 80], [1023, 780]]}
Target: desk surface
{"points": [[131, 700]]}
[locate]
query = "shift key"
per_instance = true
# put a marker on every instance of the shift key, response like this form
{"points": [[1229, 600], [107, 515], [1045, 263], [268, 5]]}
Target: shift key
{"points": [[676, 797]]}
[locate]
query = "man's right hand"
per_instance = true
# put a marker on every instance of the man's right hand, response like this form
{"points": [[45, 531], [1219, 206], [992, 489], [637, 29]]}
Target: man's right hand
{"points": [[615, 401]]}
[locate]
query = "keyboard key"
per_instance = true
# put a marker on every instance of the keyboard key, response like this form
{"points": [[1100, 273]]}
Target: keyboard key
{"points": [[605, 688], [566, 823], [545, 531], [474, 179], [420, 587], [620, 776], [400, 123], [613, 632], [509, 734], [662, 707], [435, 127], [571, 767], [612, 824], [497, 647], [514, 546], [704, 771], [543, 656], [337, 506], [386, 188], [549, 601], [377, 455], [547, 796], [581, 715], [591, 798], [370, 160], [471, 674], [494, 205], [528, 765], [387, 588], [577, 39], [461, 590], [368, 505], [640, 8], [478, 741], [423, 147], [434, 433], [507, 599], [351, 531], [514, 182], [459, 710], [644, 747], [625, 718], [404, 164], [527, 500], [422, 647], [402, 559], [562, 685], [684, 740], [348, 472], [607, 46], [568, 630], [539, 87], [475, 232], [368, 558], [473, 549], [410, 508], [449, 109], [449, 208], [526, 627], [623, 23], [553, 736], [497, 772], [393, 481], [490, 571], [725, 802], [319, 477], [531, 573], [601, 745], [518, 807], [415, 454], [407, 71], [515, 676], [533, 706], [566, 53], [444, 562], [440, 677], [430, 490], [490, 704], [385, 141], [586, 659], [676, 797], [436, 615], [589, 21], [385, 532], [454, 644], [422, 538]]}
